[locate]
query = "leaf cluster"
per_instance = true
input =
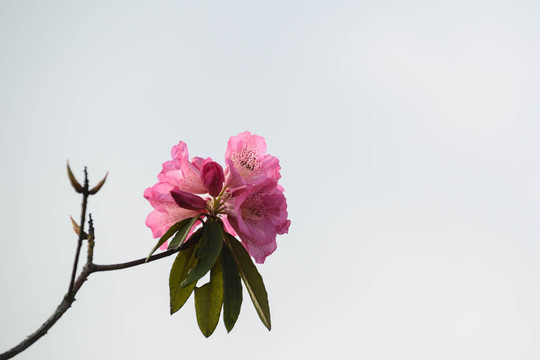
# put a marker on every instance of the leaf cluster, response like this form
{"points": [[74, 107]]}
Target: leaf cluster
{"points": [[211, 249]]}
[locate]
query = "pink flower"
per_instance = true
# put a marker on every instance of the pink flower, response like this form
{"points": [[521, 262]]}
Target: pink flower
{"points": [[246, 196], [179, 173], [166, 212], [258, 213], [247, 161]]}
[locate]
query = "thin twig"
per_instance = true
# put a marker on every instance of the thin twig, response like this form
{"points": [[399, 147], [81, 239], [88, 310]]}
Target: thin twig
{"points": [[81, 232], [88, 268], [91, 238], [57, 314], [98, 268], [70, 298]]}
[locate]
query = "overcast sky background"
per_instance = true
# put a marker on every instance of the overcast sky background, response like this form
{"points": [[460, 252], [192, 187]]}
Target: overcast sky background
{"points": [[408, 135]]}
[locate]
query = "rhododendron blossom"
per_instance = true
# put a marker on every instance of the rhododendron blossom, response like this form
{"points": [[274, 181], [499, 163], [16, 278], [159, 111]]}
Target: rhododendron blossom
{"points": [[246, 196]]}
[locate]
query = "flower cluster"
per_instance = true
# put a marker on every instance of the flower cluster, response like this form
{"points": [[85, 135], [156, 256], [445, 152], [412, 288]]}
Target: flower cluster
{"points": [[246, 196]]}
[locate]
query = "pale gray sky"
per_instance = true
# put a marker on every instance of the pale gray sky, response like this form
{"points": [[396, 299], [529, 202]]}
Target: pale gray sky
{"points": [[408, 138]]}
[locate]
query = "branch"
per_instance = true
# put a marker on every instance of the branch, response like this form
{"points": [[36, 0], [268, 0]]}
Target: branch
{"points": [[57, 314], [88, 269], [81, 232], [97, 268]]}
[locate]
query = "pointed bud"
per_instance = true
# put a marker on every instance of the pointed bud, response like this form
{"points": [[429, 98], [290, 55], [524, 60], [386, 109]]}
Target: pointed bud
{"points": [[77, 229], [76, 185], [212, 177], [187, 200], [96, 188]]}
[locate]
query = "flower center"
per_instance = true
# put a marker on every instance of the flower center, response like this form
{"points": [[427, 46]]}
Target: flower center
{"points": [[216, 206]]}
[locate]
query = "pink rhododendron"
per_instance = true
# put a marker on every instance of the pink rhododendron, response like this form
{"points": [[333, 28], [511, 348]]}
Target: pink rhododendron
{"points": [[247, 196], [247, 161], [179, 173], [258, 213]]}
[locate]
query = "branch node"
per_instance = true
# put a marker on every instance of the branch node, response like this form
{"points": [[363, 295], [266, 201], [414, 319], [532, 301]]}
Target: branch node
{"points": [[91, 242]]}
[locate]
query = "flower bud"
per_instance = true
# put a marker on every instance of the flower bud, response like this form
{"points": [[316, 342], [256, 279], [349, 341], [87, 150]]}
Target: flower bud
{"points": [[187, 200], [212, 177]]}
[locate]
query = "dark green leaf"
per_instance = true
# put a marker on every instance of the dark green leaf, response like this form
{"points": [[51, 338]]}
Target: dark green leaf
{"points": [[182, 233], [252, 279], [168, 234], [195, 237], [208, 251], [184, 261], [208, 301], [232, 289]]}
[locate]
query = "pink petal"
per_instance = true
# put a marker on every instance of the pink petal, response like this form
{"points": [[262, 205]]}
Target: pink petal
{"points": [[182, 173], [258, 213], [178, 152], [186, 178], [247, 161], [166, 212], [228, 227], [260, 252], [198, 162], [160, 221]]}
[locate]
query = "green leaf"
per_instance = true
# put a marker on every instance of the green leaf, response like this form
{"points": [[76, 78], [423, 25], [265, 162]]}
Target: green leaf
{"points": [[168, 234], [252, 279], [208, 301], [184, 261], [208, 251], [182, 233], [232, 289], [195, 237]]}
